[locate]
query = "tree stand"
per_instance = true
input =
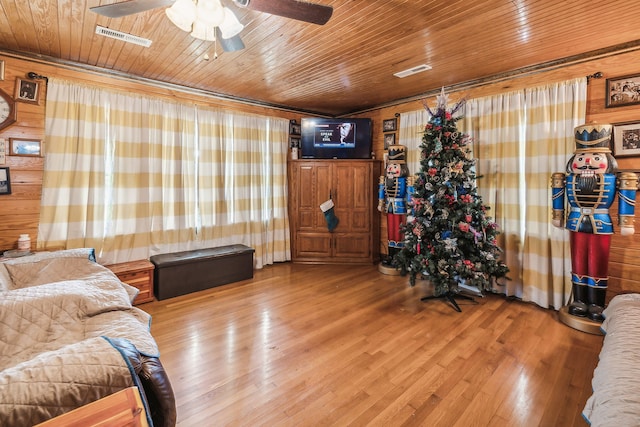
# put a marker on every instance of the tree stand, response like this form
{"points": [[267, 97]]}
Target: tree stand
{"points": [[451, 298]]}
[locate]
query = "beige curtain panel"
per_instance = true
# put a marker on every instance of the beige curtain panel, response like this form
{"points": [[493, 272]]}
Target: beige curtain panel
{"points": [[134, 176]]}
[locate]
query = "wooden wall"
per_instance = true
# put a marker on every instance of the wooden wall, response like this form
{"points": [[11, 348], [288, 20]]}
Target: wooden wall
{"points": [[19, 211]]}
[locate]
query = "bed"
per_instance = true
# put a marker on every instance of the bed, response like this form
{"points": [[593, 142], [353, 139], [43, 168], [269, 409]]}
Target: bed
{"points": [[615, 400], [69, 335]]}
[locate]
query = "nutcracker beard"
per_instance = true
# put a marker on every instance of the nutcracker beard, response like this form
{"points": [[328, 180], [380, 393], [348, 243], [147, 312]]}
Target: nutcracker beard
{"points": [[589, 264], [587, 182]]}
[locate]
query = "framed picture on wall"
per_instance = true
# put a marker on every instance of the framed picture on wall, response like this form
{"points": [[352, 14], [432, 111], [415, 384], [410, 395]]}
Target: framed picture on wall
{"points": [[25, 147], [5, 181], [294, 128], [389, 139], [623, 91], [626, 139], [389, 125], [294, 142], [27, 91]]}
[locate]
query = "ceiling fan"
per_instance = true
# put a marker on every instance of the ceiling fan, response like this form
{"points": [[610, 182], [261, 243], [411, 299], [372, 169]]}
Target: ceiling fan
{"points": [[226, 28]]}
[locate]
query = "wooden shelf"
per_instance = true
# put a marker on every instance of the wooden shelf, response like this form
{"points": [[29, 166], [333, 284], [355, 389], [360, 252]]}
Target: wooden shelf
{"points": [[138, 274]]}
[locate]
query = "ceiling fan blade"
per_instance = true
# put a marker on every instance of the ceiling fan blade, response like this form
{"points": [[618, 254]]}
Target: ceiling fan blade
{"points": [[129, 7], [231, 44], [294, 9]]}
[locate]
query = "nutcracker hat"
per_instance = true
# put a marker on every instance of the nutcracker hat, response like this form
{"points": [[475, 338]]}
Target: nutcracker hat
{"points": [[397, 154], [593, 138]]}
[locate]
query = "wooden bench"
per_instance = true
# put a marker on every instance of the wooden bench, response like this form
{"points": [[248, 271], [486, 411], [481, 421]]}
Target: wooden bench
{"points": [[181, 273]]}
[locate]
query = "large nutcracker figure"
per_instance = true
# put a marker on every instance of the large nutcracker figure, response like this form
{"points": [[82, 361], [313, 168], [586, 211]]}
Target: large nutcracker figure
{"points": [[590, 184], [394, 193]]}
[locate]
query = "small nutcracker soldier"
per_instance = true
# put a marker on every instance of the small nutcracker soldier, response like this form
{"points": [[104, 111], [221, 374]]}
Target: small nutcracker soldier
{"points": [[590, 186], [394, 193]]}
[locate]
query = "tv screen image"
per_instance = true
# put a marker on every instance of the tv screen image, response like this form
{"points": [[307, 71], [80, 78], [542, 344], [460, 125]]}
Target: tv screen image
{"points": [[335, 135], [348, 138]]}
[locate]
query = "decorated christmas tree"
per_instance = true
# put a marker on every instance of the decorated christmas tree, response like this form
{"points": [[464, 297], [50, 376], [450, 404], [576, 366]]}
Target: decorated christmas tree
{"points": [[449, 239]]}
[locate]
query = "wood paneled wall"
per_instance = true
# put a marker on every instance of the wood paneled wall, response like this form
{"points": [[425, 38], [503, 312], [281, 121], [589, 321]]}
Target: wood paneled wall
{"points": [[19, 212], [625, 251]]}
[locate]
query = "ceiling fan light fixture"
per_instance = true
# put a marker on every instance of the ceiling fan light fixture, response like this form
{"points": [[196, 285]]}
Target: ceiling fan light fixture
{"points": [[210, 12], [202, 17], [230, 26], [182, 14], [203, 31]]}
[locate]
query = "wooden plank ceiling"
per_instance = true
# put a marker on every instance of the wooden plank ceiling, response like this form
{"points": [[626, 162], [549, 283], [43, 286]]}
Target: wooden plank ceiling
{"points": [[343, 67]]}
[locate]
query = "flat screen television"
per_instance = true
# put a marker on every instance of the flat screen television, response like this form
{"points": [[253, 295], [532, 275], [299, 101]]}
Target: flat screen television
{"points": [[323, 138]]}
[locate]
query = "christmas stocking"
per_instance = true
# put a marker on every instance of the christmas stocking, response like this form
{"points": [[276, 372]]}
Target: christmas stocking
{"points": [[329, 214]]}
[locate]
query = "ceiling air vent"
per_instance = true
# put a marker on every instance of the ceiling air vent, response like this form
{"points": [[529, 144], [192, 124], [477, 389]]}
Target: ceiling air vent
{"points": [[414, 70], [118, 35]]}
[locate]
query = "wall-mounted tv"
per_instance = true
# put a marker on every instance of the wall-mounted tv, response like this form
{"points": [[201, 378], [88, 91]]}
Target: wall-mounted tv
{"points": [[323, 138]]}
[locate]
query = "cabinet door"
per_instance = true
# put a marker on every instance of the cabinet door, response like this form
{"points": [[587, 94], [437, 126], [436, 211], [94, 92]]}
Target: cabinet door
{"points": [[352, 247], [312, 189], [353, 196], [313, 245]]}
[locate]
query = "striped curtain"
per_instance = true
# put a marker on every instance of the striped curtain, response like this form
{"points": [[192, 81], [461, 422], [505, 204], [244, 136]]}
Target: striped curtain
{"points": [[411, 130], [133, 176], [519, 139], [553, 111], [496, 125], [243, 182]]}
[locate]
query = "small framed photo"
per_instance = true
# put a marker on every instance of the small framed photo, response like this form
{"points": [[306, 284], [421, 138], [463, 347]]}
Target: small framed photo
{"points": [[25, 147], [294, 142], [626, 139], [623, 91], [389, 139], [389, 125], [27, 91], [294, 128], [5, 181]]}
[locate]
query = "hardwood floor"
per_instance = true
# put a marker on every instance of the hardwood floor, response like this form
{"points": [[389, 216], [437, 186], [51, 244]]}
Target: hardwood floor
{"points": [[315, 345]]}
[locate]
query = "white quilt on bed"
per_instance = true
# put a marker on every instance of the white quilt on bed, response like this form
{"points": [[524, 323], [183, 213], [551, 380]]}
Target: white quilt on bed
{"points": [[57, 315], [615, 400]]}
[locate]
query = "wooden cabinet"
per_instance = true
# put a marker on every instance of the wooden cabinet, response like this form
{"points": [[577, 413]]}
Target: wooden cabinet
{"points": [[138, 274], [353, 187]]}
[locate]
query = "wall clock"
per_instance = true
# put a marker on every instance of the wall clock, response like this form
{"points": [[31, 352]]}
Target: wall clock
{"points": [[7, 110]]}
